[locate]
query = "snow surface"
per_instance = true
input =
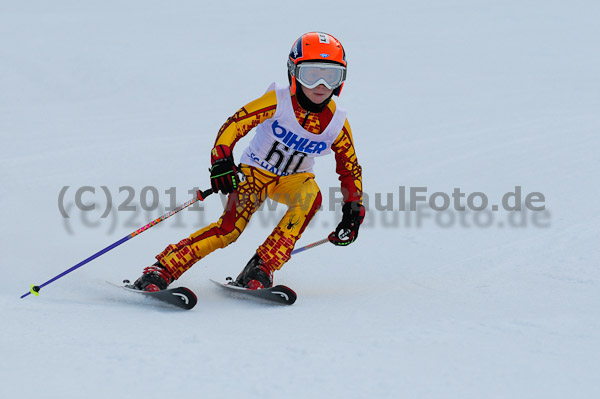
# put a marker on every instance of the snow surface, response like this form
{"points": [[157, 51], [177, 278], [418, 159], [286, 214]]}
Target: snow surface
{"points": [[478, 95]]}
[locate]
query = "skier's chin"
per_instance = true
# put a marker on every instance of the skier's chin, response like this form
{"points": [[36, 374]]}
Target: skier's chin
{"points": [[319, 99]]}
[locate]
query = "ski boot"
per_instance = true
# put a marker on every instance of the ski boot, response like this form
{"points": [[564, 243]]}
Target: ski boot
{"points": [[154, 278], [256, 275]]}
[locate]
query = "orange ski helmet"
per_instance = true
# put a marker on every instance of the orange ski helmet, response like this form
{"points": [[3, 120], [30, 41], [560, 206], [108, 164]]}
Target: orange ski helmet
{"points": [[316, 47]]}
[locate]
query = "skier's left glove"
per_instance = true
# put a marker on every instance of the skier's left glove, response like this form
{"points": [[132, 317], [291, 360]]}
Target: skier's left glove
{"points": [[223, 173], [347, 231]]}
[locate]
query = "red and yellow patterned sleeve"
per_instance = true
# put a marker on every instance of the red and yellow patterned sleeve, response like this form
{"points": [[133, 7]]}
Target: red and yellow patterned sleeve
{"points": [[347, 165], [247, 118]]}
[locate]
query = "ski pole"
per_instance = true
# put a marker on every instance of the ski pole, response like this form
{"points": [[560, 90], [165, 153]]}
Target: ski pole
{"points": [[309, 246], [201, 195]]}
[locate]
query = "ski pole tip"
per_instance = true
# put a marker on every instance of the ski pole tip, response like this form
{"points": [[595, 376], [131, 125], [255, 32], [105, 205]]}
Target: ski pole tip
{"points": [[35, 290]]}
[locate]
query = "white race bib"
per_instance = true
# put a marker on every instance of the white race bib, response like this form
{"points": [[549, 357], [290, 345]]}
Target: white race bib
{"points": [[282, 146]]}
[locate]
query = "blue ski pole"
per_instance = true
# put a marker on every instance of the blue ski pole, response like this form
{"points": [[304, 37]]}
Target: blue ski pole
{"points": [[309, 246], [35, 289]]}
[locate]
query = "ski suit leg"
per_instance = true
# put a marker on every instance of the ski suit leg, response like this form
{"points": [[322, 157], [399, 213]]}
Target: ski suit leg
{"points": [[178, 258], [301, 194]]}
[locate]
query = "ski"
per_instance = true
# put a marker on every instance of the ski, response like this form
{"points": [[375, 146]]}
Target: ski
{"points": [[180, 297], [278, 294]]}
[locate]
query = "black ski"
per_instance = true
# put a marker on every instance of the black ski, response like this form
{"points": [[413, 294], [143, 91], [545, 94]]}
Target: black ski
{"points": [[277, 294], [181, 297]]}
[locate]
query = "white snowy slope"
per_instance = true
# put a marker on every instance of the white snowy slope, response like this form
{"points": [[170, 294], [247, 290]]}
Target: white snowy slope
{"points": [[480, 96]]}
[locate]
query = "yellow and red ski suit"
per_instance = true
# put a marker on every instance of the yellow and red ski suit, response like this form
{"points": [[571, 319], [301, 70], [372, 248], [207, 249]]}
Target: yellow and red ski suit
{"points": [[298, 191]]}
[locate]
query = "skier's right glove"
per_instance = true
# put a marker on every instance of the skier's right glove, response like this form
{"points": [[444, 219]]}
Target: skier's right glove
{"points": [[347, 231], [223, 173]]}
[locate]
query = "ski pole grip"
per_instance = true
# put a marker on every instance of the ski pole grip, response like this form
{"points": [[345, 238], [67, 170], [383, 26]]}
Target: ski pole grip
{"points": [[203, 194]]}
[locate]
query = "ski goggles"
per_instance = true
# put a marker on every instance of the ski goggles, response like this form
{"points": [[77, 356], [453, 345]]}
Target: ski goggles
{"points": [[313, 74]]}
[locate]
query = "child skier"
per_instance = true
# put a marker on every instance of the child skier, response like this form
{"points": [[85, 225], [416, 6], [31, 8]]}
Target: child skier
{"points": [[294, 125]]}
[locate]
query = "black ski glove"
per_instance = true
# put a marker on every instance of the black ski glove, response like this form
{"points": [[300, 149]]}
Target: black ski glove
{"points": [[223, 173], [347, 231]]}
